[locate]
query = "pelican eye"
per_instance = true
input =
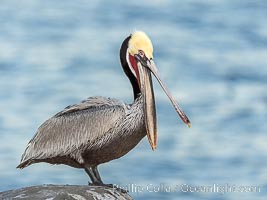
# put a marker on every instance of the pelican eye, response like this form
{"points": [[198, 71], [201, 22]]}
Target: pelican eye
{"points": [[141, 57], [141, 53]]}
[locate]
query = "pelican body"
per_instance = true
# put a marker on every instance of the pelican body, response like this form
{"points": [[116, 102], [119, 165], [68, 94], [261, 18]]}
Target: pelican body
{"points": [[100, 129]]}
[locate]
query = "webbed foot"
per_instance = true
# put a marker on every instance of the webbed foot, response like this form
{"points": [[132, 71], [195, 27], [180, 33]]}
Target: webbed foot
{"points": [[112, 186]]}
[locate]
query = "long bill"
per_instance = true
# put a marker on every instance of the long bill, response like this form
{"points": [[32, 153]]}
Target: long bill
{"points": [[145, 69], [152, 67]]}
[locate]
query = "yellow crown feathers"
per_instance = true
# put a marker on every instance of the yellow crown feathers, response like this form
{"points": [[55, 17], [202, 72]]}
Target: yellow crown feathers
{"points": [[140, 41]]}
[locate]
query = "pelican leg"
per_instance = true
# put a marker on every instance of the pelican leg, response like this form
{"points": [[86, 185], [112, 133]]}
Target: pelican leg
{"points": [[96, 179], [94, 175]]}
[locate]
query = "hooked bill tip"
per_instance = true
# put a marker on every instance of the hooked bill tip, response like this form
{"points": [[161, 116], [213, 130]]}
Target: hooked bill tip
{"points": [[186, 121], [188, 124]]}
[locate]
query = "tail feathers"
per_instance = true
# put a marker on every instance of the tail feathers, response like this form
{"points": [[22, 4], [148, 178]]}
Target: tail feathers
{"points": [[24, 164], [25, 159]]}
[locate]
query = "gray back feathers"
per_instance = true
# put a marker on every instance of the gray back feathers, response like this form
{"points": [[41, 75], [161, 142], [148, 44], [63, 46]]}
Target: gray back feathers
{"points": [[77, 127]]}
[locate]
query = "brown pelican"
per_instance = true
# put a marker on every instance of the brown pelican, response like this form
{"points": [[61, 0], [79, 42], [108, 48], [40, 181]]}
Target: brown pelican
{"points": [[100, 129]]}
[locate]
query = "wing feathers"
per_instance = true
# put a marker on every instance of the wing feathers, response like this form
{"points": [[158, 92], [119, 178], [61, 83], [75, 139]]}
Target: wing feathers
{"points": [[77, 127]]}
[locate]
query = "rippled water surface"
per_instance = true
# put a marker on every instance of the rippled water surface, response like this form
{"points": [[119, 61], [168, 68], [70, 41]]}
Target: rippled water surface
{"points": [[212, 54]]}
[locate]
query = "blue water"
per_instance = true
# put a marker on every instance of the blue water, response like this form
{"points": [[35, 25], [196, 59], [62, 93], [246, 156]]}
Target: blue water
{"points": [[212, 55]]}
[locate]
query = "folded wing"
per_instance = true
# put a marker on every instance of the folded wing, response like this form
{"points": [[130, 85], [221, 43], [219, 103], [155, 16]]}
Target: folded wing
{"points": [[76, 128]]}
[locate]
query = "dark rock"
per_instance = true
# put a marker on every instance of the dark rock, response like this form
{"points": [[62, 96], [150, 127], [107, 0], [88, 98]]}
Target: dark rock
{"points": [[65, 192]]}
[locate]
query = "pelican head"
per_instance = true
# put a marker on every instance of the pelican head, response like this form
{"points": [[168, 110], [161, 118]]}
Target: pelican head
{"points": [[136, 56]]}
